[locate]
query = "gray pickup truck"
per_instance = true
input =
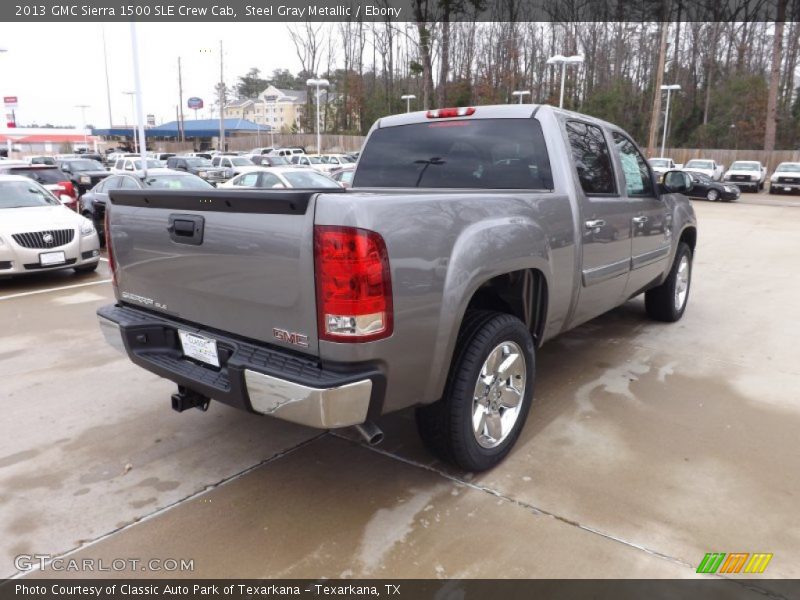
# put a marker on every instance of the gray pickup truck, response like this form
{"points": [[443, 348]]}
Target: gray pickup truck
{"points": [[470, 237]]}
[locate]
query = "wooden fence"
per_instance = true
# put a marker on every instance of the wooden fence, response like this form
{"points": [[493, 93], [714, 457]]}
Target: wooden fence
{"points": [[726, 157]]}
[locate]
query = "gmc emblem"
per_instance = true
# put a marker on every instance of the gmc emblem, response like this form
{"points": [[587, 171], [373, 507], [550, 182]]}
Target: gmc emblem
{"points": [[290, 337]]}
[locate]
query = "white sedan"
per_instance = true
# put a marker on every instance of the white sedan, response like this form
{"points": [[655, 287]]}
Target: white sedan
{"points": [[38, 233], [281, 177]]}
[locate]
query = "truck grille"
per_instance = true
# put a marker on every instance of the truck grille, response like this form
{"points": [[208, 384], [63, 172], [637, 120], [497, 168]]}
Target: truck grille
{"points": [[741, 178], [44, 239], [788, 179]]}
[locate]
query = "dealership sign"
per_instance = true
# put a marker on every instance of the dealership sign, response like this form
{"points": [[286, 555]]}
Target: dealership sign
{"points": [[195, 103], [10, 101]]}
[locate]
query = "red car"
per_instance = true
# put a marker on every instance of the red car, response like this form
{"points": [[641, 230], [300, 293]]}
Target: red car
{"points": [[49, 177]]}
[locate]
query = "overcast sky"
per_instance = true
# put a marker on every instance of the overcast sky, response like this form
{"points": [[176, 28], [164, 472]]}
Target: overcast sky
{"points": [[51, 67]]}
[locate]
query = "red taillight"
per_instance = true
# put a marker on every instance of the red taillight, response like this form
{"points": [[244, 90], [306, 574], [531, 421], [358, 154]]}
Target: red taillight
{"points": [[107, 234], [354, 284], [67, 188], [446, 113]]}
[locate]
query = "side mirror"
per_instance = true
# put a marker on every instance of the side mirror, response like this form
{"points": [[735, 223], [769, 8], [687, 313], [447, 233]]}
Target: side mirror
{"points": [[676, 182]]}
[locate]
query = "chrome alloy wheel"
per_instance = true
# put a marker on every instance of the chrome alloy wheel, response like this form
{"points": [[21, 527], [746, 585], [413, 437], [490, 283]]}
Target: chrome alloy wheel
{"points": [[497, 399], [682, 282]]}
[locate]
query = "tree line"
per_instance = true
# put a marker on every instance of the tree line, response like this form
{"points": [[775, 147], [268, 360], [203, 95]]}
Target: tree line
{"points": [[737, 77]]}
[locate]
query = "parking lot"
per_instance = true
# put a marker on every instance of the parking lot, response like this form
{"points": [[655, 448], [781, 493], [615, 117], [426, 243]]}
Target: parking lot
{"points": [[648, 445]]}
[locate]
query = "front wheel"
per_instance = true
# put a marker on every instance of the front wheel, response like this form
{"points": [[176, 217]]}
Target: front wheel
{"points": [[667, 302], [712, 195], [487, 396]]}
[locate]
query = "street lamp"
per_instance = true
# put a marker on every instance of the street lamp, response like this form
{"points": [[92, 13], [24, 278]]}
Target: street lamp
{"points": [[83, 108], [520, 94], [564, 61], [318, 83], [669, 89], [133, 122], [408, 98]]}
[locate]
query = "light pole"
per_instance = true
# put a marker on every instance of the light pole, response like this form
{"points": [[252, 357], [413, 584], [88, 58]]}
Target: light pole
{"points": [[408, 98], [83, 108], [133, 122], [521, 94], [669, 89], [318, 83], [564, 61]]}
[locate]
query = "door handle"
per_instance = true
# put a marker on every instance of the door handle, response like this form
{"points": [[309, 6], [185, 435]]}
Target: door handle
{"points": [[639, 220], [595, 224]]}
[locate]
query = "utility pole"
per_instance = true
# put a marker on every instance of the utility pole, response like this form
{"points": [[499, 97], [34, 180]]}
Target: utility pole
{"points": [[108, 86], [180, 102], [83, 108], [655, 117], [221, 102]]}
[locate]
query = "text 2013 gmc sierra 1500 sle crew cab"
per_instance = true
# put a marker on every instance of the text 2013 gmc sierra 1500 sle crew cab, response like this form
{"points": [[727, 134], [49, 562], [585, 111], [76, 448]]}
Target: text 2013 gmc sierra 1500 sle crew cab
{"points": [[470, 237]]}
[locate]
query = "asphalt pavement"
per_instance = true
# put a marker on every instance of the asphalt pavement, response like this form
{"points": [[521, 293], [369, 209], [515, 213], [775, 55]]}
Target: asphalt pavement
{"points": [[648, 446]]}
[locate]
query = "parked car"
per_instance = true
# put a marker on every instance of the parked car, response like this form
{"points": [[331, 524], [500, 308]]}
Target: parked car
{"points": [[42, 160], [434, 297], [662, 165], [93, 202], [38, 233], [233, 165], [282, 177], [207, 155], [708, 167], [197, 166], [268, 160], [786, 178], [747, 174], [84, 173], [344, 175], [705, 187], [308, 160], [112, 158], [288, 151], [331, 162], [51, 178], [262, 150], [162, 157], [135, 163]]}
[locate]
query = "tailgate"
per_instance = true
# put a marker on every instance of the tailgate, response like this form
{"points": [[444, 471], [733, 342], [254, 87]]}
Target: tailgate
{"points": [[239, 261]]}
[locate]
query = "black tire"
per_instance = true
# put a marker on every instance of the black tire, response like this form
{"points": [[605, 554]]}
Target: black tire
{"points": [[712, 195], [446, 425], [660, 301], [86, 268]]}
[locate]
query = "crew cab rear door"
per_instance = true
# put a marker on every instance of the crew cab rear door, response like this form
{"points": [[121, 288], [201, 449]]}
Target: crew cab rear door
{"points": [[605, 222]]}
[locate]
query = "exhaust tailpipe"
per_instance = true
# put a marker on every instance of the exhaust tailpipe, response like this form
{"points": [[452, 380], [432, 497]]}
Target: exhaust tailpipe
{"points": [[371, 433]]}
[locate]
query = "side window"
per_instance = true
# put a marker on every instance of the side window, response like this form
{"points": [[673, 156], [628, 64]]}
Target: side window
{"points": [[249, 180], [111, 183], [215, 161], [119, 164], [128, 183], [269, 180], [592, 158], [638, 181]]}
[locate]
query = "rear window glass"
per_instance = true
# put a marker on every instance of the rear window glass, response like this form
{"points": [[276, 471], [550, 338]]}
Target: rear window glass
{"points": [[178, 182], [45, 176], [479, 153]]}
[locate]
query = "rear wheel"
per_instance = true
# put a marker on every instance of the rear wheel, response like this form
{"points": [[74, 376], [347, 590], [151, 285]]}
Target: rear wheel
{"points": [[667, 302], [487, 396]]}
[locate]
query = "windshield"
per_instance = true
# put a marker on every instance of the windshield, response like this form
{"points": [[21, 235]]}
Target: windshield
{"points": [[178, 182], [659, 162], [196, 161], [745, 166], [150, 162], [700, 164], [241, 161], [22, 194], [308, 179], [788, 168], [480, 153], [276, 160], [85, 165]]}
